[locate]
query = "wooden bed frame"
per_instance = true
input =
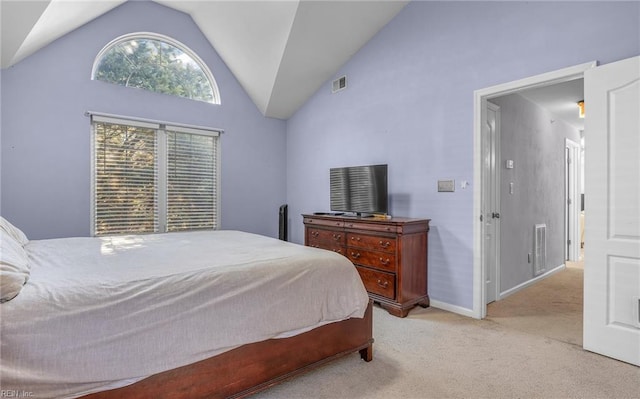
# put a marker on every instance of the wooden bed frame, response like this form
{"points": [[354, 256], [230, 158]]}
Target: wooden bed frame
{"points": [[254, 367]]}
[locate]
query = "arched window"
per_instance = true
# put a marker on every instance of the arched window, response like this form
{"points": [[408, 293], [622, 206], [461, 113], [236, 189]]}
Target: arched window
{"points": [[157, 63]]}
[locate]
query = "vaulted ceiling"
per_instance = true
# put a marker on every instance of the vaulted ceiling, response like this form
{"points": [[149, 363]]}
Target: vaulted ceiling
{"points": [[281, 52]]}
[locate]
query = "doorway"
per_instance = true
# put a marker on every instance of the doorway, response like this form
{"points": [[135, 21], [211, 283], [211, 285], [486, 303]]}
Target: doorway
{"points": [[573, 188], [482, 208], [539, 295]]}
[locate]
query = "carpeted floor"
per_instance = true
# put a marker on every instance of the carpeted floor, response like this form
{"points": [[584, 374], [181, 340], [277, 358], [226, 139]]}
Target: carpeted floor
{"points": [[531, 352], [551, 308]]}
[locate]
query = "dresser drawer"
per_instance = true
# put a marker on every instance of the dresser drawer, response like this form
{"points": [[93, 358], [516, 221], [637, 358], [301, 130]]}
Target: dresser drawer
{"points": [[376, 226], [317, 236], [376, 243], [329, 246], [323, 222], [379, 260], [380, 283]]}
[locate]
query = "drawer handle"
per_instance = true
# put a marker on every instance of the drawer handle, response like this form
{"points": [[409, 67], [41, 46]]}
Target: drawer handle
{"points": [[356, 255], [384, 244], [355, 238], [384, 262], [315, 233], [337, 236], [383, 284]]}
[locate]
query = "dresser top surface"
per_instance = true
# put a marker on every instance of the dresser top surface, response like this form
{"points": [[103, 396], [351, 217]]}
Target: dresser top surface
{"points": [[365, 219]]}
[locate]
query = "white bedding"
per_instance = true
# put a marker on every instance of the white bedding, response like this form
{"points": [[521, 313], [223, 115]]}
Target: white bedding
{"points": [[100, 313]]}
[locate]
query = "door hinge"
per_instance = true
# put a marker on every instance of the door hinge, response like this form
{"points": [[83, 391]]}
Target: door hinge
{"points": [[569, 201], [569, 242]]}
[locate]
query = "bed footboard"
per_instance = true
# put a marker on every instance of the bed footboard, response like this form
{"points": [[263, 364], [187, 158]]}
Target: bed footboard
{"points": [[255, 367]]}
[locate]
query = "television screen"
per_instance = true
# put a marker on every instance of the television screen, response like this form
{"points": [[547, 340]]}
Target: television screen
{"points": [[359, 189]]}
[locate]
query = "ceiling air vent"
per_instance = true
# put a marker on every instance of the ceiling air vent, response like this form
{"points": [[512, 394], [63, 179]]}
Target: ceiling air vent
{"points": [[339, 84]]}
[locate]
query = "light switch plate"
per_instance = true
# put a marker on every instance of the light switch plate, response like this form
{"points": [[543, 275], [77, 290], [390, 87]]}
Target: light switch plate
{"points": [[446, 185]]}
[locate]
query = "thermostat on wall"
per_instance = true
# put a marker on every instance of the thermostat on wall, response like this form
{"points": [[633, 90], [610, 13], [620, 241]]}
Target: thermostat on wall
{"points": [[446, 185]]}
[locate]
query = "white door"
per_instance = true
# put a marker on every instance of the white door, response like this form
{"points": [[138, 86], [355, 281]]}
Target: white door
{"points": [[491, 200], [572, 200], [612, 210]]}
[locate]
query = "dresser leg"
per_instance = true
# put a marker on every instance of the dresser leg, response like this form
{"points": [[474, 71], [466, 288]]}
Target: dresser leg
{"points": [[395, 311], [424, 303], [399, 311]]}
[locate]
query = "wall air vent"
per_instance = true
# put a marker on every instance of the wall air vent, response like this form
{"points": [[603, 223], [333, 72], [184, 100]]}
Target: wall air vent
{"points": [[339, 84], [540, 249]]}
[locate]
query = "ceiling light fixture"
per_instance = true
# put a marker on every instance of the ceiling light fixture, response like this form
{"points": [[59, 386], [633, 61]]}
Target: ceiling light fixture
{"points": [[581, 108]]}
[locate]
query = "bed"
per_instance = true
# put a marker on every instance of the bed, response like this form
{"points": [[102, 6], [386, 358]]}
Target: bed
{"points": [[174, 315]]}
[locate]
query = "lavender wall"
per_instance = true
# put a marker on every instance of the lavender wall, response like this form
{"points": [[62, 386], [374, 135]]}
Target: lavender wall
{"points": [[409, 103], [46, 137], [535, 140]]}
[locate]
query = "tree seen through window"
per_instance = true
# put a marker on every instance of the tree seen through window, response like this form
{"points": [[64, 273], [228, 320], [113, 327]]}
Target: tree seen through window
{"points": [[155, 65]]}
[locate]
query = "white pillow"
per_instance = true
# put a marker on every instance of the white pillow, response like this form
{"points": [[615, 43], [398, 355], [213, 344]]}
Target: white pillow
{"points": [[14, 267], [13, 231]]}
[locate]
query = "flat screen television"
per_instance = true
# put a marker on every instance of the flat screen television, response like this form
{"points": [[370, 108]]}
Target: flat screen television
{"points": [[359, 189]]}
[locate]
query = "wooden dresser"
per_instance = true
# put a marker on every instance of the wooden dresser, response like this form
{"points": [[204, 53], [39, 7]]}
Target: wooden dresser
{"points": [[389, 254]]}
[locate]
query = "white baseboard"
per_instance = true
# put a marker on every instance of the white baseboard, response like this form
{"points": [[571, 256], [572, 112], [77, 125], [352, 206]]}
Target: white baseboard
{"points": [[531, 282], [452, 308]]}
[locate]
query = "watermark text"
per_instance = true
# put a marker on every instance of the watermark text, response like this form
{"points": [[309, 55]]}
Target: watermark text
{"points": [[13, 393]]}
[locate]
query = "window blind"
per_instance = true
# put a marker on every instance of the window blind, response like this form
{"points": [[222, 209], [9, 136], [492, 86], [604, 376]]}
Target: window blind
{"points": [[125, 179], [191, 180]]}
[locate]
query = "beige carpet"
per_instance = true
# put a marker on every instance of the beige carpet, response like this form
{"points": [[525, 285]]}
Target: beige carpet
{"points": [[551, 308], [437, 354]]}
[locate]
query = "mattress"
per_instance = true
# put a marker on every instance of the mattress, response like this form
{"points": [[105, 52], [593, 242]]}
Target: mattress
{"points": [[104, 312]]}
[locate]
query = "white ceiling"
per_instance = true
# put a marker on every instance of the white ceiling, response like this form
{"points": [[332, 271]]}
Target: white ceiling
{"points": [[561, 100], [281, 52]]}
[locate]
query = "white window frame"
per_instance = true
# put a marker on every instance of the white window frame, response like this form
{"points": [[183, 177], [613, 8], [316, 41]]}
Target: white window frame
{"points": [[162, 38], [161, 162]]}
